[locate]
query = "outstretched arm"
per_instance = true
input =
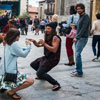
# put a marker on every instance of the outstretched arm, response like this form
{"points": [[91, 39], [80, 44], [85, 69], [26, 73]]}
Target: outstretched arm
{"points": [[37, 44]]}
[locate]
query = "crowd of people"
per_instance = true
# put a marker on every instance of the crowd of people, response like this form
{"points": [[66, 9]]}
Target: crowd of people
{"points": [[78, 23]]}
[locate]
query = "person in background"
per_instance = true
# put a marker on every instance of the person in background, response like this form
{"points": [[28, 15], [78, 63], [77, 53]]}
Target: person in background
{"points": [[96, 37], [42, 25], [4, 21], [22, 25], [52, 48], [8, 26], [81, 38], [36, 24], [55, 19], [71, 22], [9, 62]]}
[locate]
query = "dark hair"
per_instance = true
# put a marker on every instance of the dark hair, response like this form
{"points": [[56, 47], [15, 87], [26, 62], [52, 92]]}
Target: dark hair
{"points": [[11, 36], [81, 5], [11, 21], [98, 15], [72, 10], [48, 37]]}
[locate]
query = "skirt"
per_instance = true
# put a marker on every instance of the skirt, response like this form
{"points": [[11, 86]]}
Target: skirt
{"points": [[21, 78]]}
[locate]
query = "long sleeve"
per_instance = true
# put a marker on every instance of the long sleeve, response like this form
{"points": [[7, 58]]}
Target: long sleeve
{"points": [[68, 21], [93, 27], [18, 51], [84, 27]]}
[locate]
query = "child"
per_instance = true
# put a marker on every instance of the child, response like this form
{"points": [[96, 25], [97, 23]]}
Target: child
{"points": [[9, 62]]}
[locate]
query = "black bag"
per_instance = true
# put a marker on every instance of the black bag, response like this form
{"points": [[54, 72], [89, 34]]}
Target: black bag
{"points": [[68, 29], [9, 77]]}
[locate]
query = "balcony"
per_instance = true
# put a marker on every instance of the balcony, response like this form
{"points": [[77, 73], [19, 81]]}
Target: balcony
{"points": [[48, 12]]}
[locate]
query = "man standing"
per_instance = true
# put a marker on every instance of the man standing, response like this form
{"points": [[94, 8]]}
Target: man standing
{"points": [[36, 24], [81, 38]]}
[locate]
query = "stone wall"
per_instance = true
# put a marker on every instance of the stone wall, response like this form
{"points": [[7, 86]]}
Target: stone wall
{"points": [[67, 5]]}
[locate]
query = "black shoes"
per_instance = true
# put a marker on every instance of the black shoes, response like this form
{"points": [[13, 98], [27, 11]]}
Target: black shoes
{"points": [[3, 90], [69, 64]]}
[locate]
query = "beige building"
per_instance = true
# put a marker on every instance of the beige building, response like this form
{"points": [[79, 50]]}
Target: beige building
{"points": [[96, 8], [42, 7], [23, 6]]}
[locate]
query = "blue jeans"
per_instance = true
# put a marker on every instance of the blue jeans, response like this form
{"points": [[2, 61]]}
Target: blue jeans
{"points": [[79, 46], [96, 42]]}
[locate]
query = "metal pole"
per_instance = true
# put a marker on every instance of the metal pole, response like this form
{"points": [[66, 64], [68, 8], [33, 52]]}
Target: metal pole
{"points": [[91, 10]]}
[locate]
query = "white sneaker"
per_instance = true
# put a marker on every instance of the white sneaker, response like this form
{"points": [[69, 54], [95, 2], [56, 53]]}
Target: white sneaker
{"points": [[95, 58]]}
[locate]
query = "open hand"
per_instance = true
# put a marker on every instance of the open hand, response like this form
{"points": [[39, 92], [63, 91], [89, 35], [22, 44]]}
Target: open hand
{"points": [[41, 42]]}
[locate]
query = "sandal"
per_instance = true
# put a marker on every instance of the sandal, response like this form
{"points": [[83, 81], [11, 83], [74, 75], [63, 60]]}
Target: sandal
{"points": [[14, 96], [56, 87]]}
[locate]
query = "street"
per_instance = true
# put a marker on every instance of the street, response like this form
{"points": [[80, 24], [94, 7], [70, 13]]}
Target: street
{"points": [[73, 88]]}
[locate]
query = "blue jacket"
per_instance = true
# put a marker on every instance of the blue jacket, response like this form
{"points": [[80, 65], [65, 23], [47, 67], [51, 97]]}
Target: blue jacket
{"points": [[69, 21], [12, 52]]}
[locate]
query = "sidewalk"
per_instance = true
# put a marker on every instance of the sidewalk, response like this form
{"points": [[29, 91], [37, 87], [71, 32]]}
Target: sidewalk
{"points": [[73, 88]]}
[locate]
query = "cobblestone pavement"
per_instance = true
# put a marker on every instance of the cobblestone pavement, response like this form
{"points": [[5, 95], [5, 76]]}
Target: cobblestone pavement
{"points": [[73, 88]]}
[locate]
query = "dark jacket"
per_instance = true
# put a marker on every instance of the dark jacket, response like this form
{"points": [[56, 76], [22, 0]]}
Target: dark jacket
{"points": [[83, 26]]}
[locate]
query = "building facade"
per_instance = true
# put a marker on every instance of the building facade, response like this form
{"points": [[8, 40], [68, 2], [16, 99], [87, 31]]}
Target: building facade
{"points": [[63, 7], [42, 6], [96, 8], [33, 11]]}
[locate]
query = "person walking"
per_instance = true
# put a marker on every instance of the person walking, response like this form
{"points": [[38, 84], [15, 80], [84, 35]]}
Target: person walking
{"points": [[52, 48], [36, 24], [81, 38], [71, 22], [9, 65], [96, 37]]}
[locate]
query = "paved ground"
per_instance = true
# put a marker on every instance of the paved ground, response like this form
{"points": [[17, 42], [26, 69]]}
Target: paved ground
{"points": [[73, 88]]}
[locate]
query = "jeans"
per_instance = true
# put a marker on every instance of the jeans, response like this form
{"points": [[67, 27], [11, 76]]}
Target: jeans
{"points": [[42, 73], [96, 41], [79, 46]]}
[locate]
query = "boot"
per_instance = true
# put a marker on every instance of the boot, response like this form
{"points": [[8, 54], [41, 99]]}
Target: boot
{"points": [[71, 61]]}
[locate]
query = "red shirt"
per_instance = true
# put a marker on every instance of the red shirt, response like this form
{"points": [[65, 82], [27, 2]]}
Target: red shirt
{"points": [[6, 28]]}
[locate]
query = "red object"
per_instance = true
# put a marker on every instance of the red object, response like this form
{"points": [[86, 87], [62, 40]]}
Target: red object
{"points": [[6, 29], [69, 44]]}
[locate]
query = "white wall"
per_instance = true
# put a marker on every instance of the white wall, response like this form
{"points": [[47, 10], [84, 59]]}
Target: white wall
{"points": [[23, 6]]}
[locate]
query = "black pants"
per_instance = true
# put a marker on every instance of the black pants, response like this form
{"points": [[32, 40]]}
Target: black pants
{"points": [[42, 73], [96, 42]]}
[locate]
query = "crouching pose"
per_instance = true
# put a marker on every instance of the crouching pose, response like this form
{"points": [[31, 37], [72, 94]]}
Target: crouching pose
{"points": [[10, 77], [52, 46]]}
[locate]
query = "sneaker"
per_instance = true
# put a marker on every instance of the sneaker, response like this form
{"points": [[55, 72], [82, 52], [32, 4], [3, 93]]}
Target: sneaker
{"points": [[76, 74], [95, 58]]}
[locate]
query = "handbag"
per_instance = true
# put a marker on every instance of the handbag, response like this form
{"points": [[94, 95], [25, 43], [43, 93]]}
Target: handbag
{"points": [[72, 33], [9, 77], [68, 29]]}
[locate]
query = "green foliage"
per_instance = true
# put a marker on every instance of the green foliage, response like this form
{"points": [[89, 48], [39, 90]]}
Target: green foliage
{"points": [[24, 15]]}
